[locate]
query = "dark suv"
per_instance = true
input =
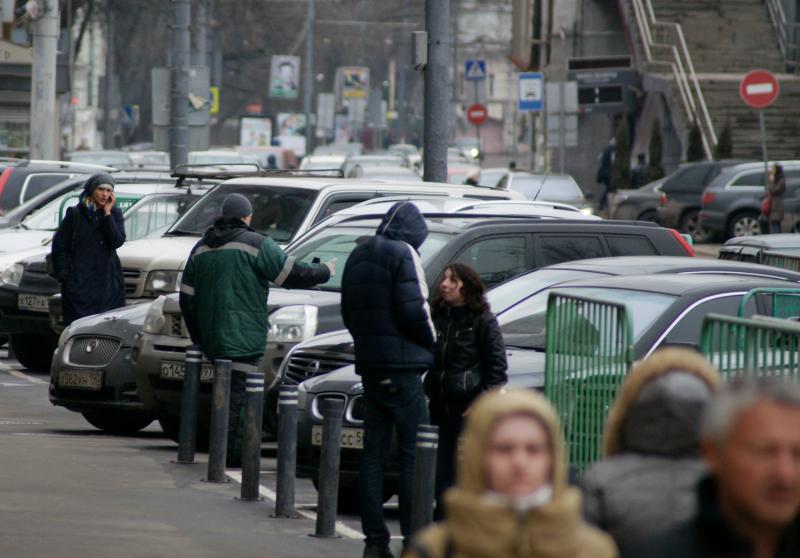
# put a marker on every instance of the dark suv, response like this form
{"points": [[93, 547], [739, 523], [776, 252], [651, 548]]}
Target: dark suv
{"points": [[679, 206]]}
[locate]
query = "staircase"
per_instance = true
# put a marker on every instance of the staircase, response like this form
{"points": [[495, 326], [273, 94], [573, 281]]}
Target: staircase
{"points": [[726, 39]]}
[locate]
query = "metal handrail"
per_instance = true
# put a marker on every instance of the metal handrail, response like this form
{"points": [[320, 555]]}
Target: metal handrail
{"points": [[787, 46], [689, 89]]}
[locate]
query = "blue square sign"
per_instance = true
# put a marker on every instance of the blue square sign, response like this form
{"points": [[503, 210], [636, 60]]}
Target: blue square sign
{"points": [[475, 70], [531, 91]]}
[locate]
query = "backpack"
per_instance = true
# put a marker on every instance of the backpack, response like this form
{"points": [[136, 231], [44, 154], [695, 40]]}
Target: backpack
{"points": [[48, 259]]}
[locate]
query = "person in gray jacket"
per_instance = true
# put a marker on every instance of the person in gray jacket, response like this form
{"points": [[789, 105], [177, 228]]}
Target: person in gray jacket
{"points": [[646, 482]]}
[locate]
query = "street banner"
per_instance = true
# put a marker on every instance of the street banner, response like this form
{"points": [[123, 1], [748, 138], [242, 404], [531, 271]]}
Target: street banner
{"points": [[284, 76], [255, 131], [355, 82]]}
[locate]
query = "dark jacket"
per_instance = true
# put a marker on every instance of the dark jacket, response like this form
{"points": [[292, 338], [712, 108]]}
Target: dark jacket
{"points": [[225, 286], [85, 260], [385, 297], [776, 191], [646, 483], [470, 358], [708, 534]]}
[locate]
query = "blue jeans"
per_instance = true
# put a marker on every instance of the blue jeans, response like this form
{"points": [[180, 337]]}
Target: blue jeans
{"points": [[393, 401]]}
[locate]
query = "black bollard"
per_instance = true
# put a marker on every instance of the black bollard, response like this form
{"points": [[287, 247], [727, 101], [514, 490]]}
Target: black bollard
{"points": [[187, 437], [424, 484], [287, 452], [253, 421], [329, 459], [218, 435]]}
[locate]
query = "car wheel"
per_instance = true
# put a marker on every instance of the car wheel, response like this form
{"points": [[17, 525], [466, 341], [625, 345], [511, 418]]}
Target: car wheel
{"points": [[171, 426], [118, 423], [744, 224], [348, 495], [650, 215], [33, 351], [690, 224]]}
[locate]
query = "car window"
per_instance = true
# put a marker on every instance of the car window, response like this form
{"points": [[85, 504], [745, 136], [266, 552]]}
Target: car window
{"points": [[555, 249], [503, 182], [505, 296], [750, 179], [560, 190], [689, 179], [154, 212], [337, 203], [528, 186], [46, 218], [38, 183], [630, 245], [496, 259], [687, 330], [337, 243]]}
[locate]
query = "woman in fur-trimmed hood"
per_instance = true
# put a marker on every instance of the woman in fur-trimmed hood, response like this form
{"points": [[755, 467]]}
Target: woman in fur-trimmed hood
{"points": [[646, 482], [501, 507]]}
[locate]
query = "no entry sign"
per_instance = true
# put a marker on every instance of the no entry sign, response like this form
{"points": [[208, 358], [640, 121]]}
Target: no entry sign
{"points": [[759, 89], [477, 114]]}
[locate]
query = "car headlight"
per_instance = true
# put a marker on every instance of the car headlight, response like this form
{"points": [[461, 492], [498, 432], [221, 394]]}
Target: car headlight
{"points": [[474, 152], [293, 324], [162, 282], [154, 320], [587, 211], [12, 275]]}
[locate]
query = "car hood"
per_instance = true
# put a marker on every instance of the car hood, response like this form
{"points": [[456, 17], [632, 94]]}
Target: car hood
{"points": [[7, 259], [343, 380], [165, 253], [15, 240], [123, 323], [279, 298], [525, 368]]}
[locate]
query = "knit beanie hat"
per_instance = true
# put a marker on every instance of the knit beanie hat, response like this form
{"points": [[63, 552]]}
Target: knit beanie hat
{"points": [[236, 205], [96, 180]]}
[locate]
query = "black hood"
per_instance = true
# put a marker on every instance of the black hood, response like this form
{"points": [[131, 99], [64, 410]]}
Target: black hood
{"points": [[404, 222], [224, 230]]}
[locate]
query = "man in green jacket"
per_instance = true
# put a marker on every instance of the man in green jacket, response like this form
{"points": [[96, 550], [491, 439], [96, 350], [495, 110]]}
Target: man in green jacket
{"points": [[224, 293]]}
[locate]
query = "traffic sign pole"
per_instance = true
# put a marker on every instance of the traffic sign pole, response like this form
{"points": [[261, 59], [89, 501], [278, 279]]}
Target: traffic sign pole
{"points": [[759, 89], [763, 145]]}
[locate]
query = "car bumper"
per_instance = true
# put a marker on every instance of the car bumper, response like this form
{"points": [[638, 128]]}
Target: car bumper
{"points": [[14, 320], [713, 221]]}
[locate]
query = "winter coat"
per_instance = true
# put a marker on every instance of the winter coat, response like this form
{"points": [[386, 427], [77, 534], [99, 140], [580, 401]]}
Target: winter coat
{"points": [[225, 286], [385, 296], [709, 535], [479, 526], [776, 191], [646, 482], [470, 358], [85, 260]]}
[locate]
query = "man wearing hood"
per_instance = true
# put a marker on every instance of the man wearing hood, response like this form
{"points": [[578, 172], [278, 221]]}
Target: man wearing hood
{"points": [[646, 482], [511, 497], [84, 252], [385, 307], [224, 292]]}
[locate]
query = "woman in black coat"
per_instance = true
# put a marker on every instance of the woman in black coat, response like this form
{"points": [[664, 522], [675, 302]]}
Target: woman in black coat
{"points": [[85, 252], [470, 358]]}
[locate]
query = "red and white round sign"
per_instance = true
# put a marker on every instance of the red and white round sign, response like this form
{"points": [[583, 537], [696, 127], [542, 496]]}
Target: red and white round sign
{"points": [[477, 114], [759, 88]]}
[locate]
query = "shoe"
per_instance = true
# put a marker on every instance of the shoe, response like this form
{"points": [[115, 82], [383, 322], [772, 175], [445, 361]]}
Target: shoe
{"points": [[374, 551]]}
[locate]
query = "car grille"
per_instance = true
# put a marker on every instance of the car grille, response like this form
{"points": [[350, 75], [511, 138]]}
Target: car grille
{"points": [[93, 351], [131, 280], [316, 405], [176, 326], [355, 409], [309, 364]]}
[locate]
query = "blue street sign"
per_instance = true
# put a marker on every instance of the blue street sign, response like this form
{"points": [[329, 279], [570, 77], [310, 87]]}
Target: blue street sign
{"points": [[531, 91], [475, 70]]}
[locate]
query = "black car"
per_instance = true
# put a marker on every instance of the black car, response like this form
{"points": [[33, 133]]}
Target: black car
{"points": [[639, 204], [679, 204], [752, 248]]}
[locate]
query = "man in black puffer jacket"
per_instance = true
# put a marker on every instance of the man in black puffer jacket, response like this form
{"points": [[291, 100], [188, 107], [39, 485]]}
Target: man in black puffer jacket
{"points": [[385, 307]]}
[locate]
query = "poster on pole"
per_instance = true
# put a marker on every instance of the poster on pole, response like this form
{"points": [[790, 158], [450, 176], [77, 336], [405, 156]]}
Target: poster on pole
{"points": [[284, 76], [255, 131], [355, 82]]}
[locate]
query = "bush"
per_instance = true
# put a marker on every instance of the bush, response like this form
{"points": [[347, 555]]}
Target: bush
{"points": [[724, 147], [621, 167], [694, 151], [655, 168]]}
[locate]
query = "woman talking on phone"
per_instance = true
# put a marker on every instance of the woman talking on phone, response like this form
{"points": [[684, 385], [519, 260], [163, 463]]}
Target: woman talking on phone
{"points": [[84, 252]]}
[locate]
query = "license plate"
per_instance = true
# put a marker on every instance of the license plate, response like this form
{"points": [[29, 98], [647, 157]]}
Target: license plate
{"points": [[81, 379], [34, 303], [352, 438], [176, 371]]}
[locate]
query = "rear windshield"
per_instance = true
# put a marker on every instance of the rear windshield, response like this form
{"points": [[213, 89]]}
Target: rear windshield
{"points": [[277, 211]]}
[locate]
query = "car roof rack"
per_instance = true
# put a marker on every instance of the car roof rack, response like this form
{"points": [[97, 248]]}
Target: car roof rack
{"points": [[185, 171]]}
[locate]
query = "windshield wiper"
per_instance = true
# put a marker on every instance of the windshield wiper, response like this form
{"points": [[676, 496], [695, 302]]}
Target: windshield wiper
{"points": [[23, 226], [180, 232]]}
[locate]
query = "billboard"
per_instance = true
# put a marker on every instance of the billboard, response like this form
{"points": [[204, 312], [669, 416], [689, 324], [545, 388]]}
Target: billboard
{"points": [[255, 131], [284, 76], [354, 82]]}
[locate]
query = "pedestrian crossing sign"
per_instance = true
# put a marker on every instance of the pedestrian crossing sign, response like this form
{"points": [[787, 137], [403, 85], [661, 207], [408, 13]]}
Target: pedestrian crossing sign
{"points": [[475, 70]]}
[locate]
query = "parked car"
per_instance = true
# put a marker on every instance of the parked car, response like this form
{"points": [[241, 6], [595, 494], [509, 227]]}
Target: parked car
{"points": [[107, 157], [681, 192], [731, 203], [498, 248], [491, 177], [220, 157], [364, 161], [285, 158], [460, 167], [401, 174], [640, 204], [154, 160], [403, 149], [470, 146], [752, 248], [560, 188], [331, 163], [343, 149]]}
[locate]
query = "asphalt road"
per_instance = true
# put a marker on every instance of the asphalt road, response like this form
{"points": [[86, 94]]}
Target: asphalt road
{"points": [[69, 490]]}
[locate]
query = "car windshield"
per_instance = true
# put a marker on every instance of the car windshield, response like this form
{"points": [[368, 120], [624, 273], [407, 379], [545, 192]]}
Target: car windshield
{"points": [[155, 213], [507, 294], [491, 178], [336, 243], [48, 217], [277, 211], [525, 325]]}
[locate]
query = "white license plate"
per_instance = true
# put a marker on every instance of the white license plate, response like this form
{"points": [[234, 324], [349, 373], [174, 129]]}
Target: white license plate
{"points": [[34, 303], [176, 371], [352, 438], [81, 379]]}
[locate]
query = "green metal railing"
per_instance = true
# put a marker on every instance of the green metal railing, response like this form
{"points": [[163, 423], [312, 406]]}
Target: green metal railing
{"points": [[764, 346], [589, 351], [784, 261], [781, 302]]}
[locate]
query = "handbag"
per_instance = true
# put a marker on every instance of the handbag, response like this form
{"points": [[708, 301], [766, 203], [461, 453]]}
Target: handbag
{"points": [[463, 385], [766, 205]]}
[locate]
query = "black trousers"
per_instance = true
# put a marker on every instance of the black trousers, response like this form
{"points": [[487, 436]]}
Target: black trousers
{"points": [[450, 427], [239, 371]]}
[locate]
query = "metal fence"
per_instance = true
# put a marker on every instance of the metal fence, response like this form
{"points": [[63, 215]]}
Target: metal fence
{"points": [[778, 302], [764, 346], [589, 351], [790, 262]]}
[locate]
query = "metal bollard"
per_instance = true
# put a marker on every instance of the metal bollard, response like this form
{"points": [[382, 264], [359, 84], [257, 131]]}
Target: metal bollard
{"points": [[187, 437], [424, 484], [329, 459], [253, 420], [287, 452], [218, 435]]}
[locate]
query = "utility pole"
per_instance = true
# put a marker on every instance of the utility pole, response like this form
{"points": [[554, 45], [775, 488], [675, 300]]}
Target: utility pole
{"points": [[43, 131], [200, 33], [308, 80], [108, 128], [437, 92], [179, 81]]}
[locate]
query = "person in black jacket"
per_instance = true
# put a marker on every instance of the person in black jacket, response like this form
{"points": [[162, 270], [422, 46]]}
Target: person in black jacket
{"points": [[84, 252], [385, 307], [470, 358]]}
